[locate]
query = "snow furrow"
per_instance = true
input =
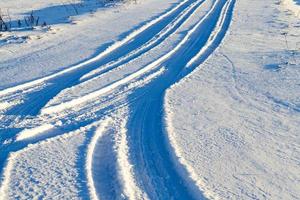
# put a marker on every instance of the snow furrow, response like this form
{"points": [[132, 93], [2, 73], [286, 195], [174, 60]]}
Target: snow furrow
{"points": [[195, 182], [89, 159], [109, 50], [213, 37], [125, 168], [151, 66], [5, 178], [153, 153], [122, 179], [159, 38], [28, 133], [69, 77], [145, 162], [59, 81], [168, 33]]}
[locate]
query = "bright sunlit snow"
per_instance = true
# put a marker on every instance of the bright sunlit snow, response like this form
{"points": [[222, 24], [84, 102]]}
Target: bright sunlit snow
{"points": [[150, 99]]}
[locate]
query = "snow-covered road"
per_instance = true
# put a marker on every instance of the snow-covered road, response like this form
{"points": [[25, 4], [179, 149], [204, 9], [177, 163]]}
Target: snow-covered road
{"points": [[100, 129], [126, 82]]}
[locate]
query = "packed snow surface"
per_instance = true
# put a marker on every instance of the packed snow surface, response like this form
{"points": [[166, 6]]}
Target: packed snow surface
{"points": [[173, 99]]}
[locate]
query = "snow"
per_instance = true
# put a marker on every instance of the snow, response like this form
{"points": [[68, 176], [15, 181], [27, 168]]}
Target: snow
{"points": [[235, 121], [47, 165], [292, 5], [191, 99], [89, 161], [4, 105], [28, 133], [51, 53]]}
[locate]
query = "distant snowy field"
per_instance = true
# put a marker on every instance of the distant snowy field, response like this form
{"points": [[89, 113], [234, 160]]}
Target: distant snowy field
{"points": [[150, 99]]}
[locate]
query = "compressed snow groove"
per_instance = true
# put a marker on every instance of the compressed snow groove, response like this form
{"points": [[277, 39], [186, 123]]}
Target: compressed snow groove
{"points": [[89, 159], [161, 36], [196, 183], [16, 89], [145, 161], [158, 62], [5, 179], [88, 97], [222, 24], [125, 168], [110, 49], [68, 78]]}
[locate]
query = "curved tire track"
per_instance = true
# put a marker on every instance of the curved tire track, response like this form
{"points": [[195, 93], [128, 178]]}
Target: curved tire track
{"points": [[143, 144], [155, 165]]}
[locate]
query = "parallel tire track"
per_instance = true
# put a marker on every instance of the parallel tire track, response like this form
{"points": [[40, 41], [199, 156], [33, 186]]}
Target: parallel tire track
{"points": [[161, 178], [191, 34], [144, 162], [132, 46], [59, 81], [116, 46]]}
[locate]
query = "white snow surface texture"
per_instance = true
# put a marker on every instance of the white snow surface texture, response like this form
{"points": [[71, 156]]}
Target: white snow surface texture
{"points": [[150, 99]]}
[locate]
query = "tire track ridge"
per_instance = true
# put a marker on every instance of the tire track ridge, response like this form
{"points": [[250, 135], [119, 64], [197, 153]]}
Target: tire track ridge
{"points": [[195, 183], [108, 50], [156, 63]]}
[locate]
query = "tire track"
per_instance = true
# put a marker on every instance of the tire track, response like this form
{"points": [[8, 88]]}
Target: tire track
{"points": [[36, 99], [191, 34], [129, 42], [156, 40], [67, 78], [163, 177], [143, 160]]}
